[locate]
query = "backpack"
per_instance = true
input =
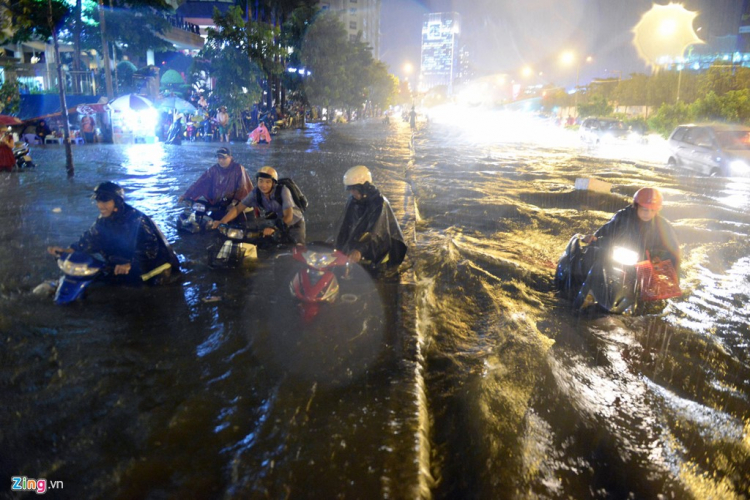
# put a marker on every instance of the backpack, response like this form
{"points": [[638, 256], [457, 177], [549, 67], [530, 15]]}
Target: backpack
{"points": [[297, 195]]}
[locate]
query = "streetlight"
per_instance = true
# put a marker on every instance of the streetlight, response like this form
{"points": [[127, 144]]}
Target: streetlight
{"points": [[408, 68], [569, 57]]}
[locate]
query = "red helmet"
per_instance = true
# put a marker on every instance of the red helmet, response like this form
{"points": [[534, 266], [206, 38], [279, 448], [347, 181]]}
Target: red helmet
{"points": [[648, 198]]}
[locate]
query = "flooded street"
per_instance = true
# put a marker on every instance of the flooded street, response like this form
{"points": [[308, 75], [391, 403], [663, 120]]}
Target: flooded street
{"points": [[467, 378]]}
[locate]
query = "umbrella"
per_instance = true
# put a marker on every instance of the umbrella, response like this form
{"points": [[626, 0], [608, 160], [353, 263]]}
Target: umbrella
{"points": [[181, 105], [132, 102], [9, 120], [88, 109]]}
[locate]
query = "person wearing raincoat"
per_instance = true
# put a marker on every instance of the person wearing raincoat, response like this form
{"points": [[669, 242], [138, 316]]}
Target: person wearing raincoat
{"points": [[174, 136], [260, 135], [225, 183], [637, 227], [369, 232], [127, 239]]}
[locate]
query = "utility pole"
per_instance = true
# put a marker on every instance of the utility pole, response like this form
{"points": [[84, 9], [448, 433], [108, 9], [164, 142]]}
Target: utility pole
{"points": [[63, 105], [105, 49]]}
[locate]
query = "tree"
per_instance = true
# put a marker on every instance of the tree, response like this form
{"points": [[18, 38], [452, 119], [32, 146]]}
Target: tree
{"points": [[10, 97], [632, 92], [125, 72], [226, 56], [136, 24], [734, 106], [293, 34], [596, 106], [383, 87], [324, 54], [669, 116]]}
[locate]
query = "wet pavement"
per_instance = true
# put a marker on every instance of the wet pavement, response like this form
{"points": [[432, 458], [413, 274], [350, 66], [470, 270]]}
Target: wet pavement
{"points": [[468, 377]]}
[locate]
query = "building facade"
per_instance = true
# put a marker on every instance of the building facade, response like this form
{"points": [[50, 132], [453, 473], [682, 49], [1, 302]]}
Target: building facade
{"points": [[359, 16], [440, 41]]}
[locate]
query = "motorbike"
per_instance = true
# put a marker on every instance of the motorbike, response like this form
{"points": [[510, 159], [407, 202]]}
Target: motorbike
{"points": [[613, 278], [316, 283], [23, 159], [80, 270], [234, 248], [198, 215]]}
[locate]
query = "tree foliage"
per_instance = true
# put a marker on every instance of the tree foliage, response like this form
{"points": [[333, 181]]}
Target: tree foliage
{"points": [[10, 98], [596, 106], [134, 24], [342, 73], [232, 56], [324, 54], [669, 116]]}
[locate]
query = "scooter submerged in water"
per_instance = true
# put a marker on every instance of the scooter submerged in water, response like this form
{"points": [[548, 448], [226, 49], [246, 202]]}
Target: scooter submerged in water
{"points": [[23, 158], [200, 213], [81, 270], [316, 283], [612, 278], [234, 248]]}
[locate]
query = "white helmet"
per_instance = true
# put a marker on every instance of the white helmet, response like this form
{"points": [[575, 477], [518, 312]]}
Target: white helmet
{"points": [[357, 175]]}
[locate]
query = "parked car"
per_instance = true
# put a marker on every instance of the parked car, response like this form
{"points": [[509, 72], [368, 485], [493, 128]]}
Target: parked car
{"points": [[603, 130], [711, 149]]}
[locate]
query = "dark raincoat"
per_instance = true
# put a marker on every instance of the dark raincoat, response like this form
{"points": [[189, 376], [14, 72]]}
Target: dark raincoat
{"points": [[174, 135], [221, 185], [128, 236], [370, 226], [657, 237], [583, 270]]}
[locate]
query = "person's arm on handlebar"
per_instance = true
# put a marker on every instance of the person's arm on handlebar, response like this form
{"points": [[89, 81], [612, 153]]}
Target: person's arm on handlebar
{"points": [[56, 251], [232, 213], [589, 238]]}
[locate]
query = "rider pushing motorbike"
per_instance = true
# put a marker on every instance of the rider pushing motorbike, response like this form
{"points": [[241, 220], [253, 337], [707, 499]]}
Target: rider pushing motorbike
{"points": [[290, 221], [126, 238], [369, 232], [638, 227], [223, 183]]}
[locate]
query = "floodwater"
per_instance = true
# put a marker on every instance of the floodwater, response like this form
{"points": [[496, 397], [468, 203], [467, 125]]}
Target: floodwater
{"points": [[468, 377]]}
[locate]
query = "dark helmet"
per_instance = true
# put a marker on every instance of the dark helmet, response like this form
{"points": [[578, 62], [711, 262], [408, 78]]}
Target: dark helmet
{"points": [[107, 191], [648, 198]]}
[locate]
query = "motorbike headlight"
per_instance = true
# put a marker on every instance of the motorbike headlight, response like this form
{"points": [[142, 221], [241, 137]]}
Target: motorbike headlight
{"points": [[199, 207], [235, 233], [739, 167], [76, 269], [625, 256], [318, 260]]}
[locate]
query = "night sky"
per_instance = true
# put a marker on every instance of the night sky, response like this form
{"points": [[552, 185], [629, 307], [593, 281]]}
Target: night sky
{"points": [[506, 35]]}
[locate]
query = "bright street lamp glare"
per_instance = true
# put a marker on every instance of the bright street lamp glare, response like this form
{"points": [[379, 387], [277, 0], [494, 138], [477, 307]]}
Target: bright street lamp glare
{"points": [[567, 57], [668, 28], [527, 71], [665, 31], [408, 68]]}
